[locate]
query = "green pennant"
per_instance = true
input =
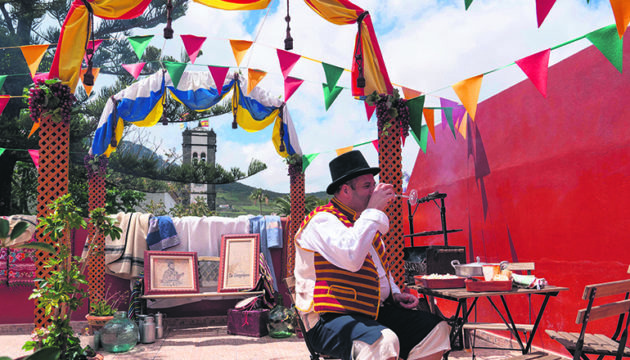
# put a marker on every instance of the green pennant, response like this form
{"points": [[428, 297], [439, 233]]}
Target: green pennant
{"points": [[175, 70], [415, 107], [2, 78], [307, 160], [1, 151], [422, 139], [330, 95], [467, 3], [333, 73], [139, 44], [609, 44], [449, 119]]}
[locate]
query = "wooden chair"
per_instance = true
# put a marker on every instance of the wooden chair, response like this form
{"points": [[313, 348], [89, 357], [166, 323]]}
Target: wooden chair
{"points": [[582, 344], [290, 284]]}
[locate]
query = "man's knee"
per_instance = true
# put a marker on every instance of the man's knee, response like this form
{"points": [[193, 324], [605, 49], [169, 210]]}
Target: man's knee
{"points": [[386, 347]]}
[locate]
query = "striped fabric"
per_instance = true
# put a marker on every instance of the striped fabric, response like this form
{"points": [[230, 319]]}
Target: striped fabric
{"points": [[342, 291], [235, 4]]}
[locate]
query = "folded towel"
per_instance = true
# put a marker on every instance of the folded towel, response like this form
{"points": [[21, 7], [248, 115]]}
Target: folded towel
{"points": [[273, 227], [162, 234], [125, 257]]}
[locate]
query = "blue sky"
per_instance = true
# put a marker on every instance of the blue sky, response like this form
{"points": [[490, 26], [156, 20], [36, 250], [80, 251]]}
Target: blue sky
{"points": [[427, 45]]}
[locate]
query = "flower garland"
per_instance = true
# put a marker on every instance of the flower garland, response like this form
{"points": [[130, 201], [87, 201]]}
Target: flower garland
{"points": [[50, 99], [95, 165], [390, 109]]}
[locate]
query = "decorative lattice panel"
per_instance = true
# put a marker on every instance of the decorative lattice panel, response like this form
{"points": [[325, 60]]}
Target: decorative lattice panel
{"points": [[96, 262], [52, 183], [390, 162], [297, 215]]}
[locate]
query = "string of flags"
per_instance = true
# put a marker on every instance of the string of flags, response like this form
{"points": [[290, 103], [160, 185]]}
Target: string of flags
{"points": [[33, 152]]}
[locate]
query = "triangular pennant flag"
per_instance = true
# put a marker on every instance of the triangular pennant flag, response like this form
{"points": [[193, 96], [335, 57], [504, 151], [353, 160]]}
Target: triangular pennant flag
{"points": [[253, 78], [95, 71], [444, 104], [609, 44], [369, 110], [34, 128], [175, 71], [287, 61], [35, 157], [467, 3], [448, 113], [2, 79], [1, 151], [415, 107], [134, 69], [239, 48], [468, 92], [290, 85], [542, 9], [535, 67], [429, 117], [307, 160], [330, 95], [344, 150], [39, 76], [33, 55], [421, 138], [97, 43], [333, 73], [139, 44], [463, 126], [375, 143], [4, 99], [410, 93], [218, 75], [621, 9], [193, 44]]}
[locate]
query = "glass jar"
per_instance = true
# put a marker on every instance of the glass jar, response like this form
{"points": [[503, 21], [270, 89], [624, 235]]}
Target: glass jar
{"points": [[281, 321], [120, 334]]}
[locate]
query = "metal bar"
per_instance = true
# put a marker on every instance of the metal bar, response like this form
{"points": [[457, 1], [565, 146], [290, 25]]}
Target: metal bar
{"points": [[538, 318], [443, 218]]}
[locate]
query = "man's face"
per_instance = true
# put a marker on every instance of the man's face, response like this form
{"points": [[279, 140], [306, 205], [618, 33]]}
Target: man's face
{"points": [[360, 189]]}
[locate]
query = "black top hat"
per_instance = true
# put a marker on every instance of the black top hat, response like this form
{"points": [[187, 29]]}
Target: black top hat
{"points": [[346, 167]]}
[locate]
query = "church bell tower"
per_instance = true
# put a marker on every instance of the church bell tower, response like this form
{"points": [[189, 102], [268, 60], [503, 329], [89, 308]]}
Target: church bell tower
{"points": [[200, 144]]}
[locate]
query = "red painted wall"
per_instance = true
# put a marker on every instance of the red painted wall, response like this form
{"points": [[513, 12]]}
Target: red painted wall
{"points": [[541, 179]]}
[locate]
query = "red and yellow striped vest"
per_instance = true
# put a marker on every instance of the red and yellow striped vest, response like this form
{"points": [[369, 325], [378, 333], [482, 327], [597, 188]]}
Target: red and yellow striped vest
{"points": [[342, 291]]}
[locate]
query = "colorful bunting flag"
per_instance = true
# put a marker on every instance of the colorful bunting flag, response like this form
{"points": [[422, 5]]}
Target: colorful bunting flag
{"points": [[205, 123], [375, 144], [468, 92], [1, 151], [35, 157], [415, 107], [448, 114], [609, 44], [330, 95], [429, 117], [97, 43], [307, 160], [139, 44], [134, 69], [235, 4], [421, 138], [463, 126], [467, 3], [290, 85], [2, 79], [535, 67], [239, 48], [344, 150], [333, 73], [369, 110], [192, 44], [409, 94], [218, 75], [34, 128], [287, 61], [33, 55], [542, 10], [88, 88], [175, 71], [621, 9], [4, 99], [446, 103], [253, 78]]}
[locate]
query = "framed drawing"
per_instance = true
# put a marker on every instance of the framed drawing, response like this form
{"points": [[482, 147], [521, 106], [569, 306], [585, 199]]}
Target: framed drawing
{"points": [[170, 272], [238, 265], [208, 273]]}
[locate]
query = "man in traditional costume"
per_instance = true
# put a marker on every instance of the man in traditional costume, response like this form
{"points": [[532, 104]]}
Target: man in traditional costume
{"points": [[348, 300]]}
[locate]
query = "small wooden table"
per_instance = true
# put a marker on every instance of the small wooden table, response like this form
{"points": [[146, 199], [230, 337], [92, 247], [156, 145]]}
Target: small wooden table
{"points": [[461, 295]]}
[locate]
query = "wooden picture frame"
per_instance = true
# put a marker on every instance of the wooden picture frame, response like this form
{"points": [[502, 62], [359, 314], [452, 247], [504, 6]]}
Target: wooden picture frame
{"points": [[238, 264], [209, 273], [170, 272]]}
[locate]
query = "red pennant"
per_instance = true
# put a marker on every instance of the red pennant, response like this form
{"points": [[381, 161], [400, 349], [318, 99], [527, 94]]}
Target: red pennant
{"points": [[375, 143], [535, 67], [193, 44], [542, 9], [35, 157], [369, 110], [134, 69], [218, 75], [287, 61], [290, 85], [97, 43], [4, 99]]}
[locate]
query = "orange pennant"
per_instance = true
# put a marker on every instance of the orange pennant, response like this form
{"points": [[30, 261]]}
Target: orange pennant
{"points": [[239, 48], [463, 126], [410, 93], [429, 117], [33, 55], [468, 93], [95, 71], [34, 128], [621, 9], [253, 78], [344, 150]]}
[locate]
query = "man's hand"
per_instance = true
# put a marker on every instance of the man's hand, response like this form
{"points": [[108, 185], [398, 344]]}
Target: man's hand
{"points": [[407, 301], [381, 196]]}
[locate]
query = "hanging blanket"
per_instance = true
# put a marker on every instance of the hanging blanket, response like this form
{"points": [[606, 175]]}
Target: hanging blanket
{"points": [[203, 234], [125, 257], [19, 264], [4, 265], [162, 234]]}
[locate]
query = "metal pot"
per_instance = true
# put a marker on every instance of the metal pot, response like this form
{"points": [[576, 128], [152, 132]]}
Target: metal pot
{"points": [[473, 269]]}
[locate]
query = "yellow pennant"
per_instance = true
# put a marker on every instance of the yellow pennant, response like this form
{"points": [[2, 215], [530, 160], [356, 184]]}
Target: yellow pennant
{"points": [[253, 78], [239, 48], [344, 150], [95, 71], [468, 93], [33, 55]]}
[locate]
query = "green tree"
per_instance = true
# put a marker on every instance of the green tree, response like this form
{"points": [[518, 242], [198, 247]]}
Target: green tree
{"points": [[282, 205], [258, 196]]}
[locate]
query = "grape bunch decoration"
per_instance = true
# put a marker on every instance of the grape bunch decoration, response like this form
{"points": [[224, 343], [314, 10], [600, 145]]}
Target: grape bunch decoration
{"points": [[95, 165], [50, 99], [294, 163], [390, 108]]}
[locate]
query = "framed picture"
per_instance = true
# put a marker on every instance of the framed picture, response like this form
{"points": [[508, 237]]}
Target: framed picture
{"points": [[209, 273], [238, 265], [170, 272]]}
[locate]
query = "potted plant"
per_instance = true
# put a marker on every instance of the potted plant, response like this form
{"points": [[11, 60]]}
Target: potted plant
{"points": [[63, 291], [103, 310]]}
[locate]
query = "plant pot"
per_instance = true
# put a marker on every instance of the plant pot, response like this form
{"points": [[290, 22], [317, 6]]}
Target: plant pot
{"points": [[96, 323]]}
